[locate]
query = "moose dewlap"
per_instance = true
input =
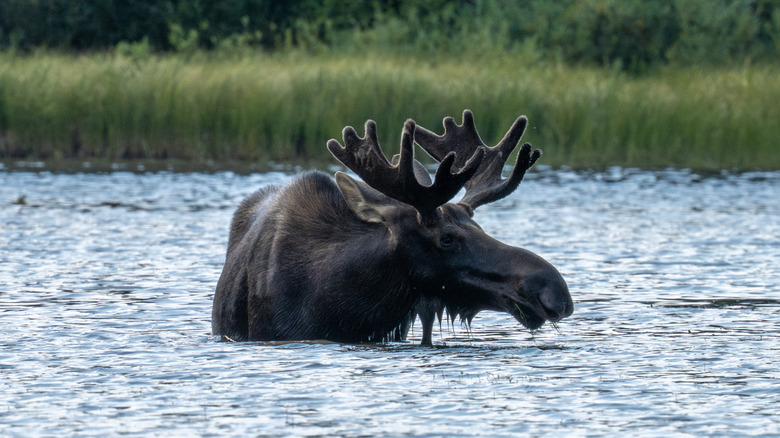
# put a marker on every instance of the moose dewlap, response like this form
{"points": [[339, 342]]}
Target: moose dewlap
{"points": [[355, 261]]}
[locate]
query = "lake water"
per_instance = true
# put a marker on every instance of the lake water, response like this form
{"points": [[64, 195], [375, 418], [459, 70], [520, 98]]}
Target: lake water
{"points": [[106, 282]]}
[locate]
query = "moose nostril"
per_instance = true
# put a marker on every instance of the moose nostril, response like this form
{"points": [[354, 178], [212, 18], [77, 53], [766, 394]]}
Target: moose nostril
{"points": [[552, 294], [553, 303]]}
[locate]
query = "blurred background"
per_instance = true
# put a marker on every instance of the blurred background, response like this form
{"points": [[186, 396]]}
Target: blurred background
{"points": [[656, 83]]}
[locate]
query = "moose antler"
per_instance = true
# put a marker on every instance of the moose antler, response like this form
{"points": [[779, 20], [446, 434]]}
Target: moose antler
{"points": [[365, 157], [486, 186]]}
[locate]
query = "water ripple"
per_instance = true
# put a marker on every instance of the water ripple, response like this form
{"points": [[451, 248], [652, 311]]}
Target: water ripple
{"points": [[106, 283]]}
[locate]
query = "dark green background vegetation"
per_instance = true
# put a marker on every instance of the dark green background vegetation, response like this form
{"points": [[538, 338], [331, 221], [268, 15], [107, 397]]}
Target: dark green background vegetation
{"points": [[635, 34], [647, 83]]}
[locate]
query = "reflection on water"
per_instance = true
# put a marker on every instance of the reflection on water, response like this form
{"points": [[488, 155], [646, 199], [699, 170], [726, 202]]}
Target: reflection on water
{"points": [[105, 295]]}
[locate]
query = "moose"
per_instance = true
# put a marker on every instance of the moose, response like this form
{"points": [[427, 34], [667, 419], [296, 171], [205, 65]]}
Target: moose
{"points": [[358, 261]]}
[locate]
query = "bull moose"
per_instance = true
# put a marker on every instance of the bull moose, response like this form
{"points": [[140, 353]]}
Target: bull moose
{"points": [[357, 261]]}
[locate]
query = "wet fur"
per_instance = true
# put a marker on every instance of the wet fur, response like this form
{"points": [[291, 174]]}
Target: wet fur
{"points": [[301, 265]]}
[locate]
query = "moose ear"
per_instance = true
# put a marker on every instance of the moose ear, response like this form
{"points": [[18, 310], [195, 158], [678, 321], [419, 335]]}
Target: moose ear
{"points": [[369, 204]]}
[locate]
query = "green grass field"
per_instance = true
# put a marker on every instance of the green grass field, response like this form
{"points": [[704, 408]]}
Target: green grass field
{"points": [[286, 106]]}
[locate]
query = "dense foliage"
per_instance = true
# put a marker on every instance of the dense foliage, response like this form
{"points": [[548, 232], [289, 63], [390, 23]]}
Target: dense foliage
{"points": [[632, 35]]}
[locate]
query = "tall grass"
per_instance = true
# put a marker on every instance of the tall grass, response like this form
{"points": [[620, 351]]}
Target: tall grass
{"points": [[286, 106]]}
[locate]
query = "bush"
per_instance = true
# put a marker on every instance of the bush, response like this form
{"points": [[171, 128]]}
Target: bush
{"points": [[631, 35], [727, 31], [82, 24]]}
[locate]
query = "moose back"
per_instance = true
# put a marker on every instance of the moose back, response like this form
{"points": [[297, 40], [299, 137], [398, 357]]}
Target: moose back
{"points": [[357, 261]]}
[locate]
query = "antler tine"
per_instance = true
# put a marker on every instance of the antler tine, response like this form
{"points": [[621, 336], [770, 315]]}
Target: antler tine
{"points": [[361, 153], [513, 136], [487, 185], [365, 157], [464, 140]]}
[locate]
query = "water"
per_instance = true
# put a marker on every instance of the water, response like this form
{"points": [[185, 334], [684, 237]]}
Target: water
{"points": [[106, 283]]}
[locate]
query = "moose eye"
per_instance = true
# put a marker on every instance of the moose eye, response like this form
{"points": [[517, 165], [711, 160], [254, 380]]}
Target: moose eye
{"points": [[446, 240]]}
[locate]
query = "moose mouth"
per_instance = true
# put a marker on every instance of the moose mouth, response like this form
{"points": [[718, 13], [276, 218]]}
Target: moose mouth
{"points": [[529, 317], [543, 299]]}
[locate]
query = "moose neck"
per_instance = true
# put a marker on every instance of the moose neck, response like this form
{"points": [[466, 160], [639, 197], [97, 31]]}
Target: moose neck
{"points": [[360, 279]]}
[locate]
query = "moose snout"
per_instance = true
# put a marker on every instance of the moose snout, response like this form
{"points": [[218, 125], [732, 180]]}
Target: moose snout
{"points": [[549, 289]]}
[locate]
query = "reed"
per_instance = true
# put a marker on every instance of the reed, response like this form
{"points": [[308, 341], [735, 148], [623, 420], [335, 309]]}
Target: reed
{"points": [[286, 106]]}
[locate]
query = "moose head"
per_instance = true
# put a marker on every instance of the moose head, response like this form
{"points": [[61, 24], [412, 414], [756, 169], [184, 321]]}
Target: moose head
{"points": [[454, 260]]}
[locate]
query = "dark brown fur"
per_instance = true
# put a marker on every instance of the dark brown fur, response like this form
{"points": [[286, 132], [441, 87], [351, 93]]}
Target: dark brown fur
{"points": [[295, 255]]}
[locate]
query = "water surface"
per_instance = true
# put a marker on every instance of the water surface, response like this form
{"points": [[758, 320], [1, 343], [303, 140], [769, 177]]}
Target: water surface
{"points": [[106, 282]]}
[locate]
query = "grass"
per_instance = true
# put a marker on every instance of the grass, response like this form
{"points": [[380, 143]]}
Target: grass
{"points": [[285, 107]]}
